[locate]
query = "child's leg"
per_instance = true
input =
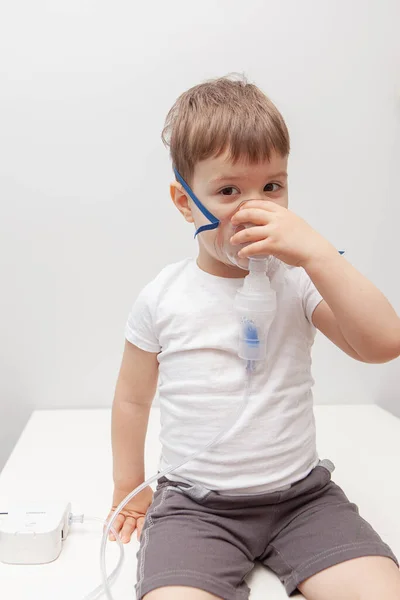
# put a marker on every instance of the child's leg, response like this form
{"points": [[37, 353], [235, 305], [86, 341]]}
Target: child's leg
{"points": [[190, 550], [326, 549], [366, 578], [179, 593]]}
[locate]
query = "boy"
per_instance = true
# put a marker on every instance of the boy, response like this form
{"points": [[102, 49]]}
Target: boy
{"points": [[261, 494]]}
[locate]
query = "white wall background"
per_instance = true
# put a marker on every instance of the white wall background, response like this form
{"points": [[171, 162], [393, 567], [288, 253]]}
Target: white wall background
{"points": [[85, 215]]}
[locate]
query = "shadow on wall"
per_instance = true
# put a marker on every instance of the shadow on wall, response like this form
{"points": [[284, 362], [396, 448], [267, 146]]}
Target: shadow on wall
{"points": [[13, 419]]}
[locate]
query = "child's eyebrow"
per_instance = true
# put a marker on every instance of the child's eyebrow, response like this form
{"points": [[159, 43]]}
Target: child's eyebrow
{"points": [[277, 175], [223, 178]]}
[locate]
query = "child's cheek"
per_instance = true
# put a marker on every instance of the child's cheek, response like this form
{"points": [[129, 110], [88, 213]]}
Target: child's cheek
{"points": [[222, 207]]}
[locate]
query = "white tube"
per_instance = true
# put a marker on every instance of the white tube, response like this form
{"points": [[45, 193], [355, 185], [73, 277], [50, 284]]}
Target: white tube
{"points": [[97, 592], [231, 422]]}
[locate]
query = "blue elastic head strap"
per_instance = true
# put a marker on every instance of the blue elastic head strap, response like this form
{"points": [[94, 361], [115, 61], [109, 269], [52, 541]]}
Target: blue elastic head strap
{"points": [[214, 222]]}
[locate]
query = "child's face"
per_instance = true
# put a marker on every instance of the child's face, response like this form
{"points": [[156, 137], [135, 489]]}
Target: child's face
{"points": [[222, 187]]}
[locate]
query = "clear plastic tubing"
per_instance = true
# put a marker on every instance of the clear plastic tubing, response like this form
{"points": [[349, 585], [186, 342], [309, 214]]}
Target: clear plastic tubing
{"points": [[231, 422], [99, 590], [256, 306]]}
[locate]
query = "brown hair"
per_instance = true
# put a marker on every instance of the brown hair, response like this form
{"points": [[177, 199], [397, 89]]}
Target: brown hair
{"points": [[226, 114]]}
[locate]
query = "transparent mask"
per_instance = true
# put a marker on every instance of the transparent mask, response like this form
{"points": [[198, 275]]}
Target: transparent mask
{"points": [[226, 251]]}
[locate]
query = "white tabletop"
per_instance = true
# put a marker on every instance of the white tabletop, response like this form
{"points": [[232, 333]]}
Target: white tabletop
{"points": [[65, 456]]}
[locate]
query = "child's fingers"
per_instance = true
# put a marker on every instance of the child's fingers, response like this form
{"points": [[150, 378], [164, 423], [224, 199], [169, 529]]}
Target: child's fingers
{"points": [[118, 523], [139, 526], [261, 247], [128, 528], [253, 234], [254, 215]]}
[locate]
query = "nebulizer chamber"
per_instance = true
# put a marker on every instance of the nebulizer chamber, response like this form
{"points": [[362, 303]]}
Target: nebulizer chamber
{"points": [[255, 304]]}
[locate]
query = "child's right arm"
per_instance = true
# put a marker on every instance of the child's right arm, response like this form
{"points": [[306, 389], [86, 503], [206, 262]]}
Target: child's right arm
{"points": [[134, 394]]}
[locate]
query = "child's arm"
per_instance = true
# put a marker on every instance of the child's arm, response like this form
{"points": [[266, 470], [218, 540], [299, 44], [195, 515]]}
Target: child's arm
{"points": [[355, 311], [134, 394], [355, 315]]}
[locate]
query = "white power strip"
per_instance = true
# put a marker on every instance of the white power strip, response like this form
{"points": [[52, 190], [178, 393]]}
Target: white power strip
{"points": [[33, 534]]}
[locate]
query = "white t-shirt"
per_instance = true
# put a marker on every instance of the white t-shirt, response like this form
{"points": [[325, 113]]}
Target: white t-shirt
{"points": [[188, 317]]}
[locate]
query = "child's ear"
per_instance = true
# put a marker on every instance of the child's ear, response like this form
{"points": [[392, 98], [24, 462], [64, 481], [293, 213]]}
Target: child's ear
{"points": [[181, 201]]}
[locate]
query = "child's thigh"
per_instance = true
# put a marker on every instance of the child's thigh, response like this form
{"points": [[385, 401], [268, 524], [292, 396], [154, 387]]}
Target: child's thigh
{"points": [[326, 541], [185, 545], [179, 593]]}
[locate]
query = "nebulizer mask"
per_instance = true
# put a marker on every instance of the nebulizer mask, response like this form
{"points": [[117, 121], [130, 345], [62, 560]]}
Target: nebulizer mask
{"points": [[255, 305]]}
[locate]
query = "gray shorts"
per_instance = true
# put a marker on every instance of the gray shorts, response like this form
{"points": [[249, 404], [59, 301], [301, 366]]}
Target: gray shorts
{"points": [[200, 538]]}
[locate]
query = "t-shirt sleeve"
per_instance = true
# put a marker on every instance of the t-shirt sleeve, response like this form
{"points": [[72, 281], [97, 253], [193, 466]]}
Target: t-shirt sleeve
{"points": [[139, 328], [310, 295]]}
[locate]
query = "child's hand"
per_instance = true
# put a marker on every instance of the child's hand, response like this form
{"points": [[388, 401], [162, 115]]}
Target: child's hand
{"points": [[132, 516], [278, 232]]}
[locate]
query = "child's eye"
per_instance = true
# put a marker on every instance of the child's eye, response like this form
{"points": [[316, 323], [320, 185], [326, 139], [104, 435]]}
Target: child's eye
{"points": [[272, 187], [229, 191]]}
